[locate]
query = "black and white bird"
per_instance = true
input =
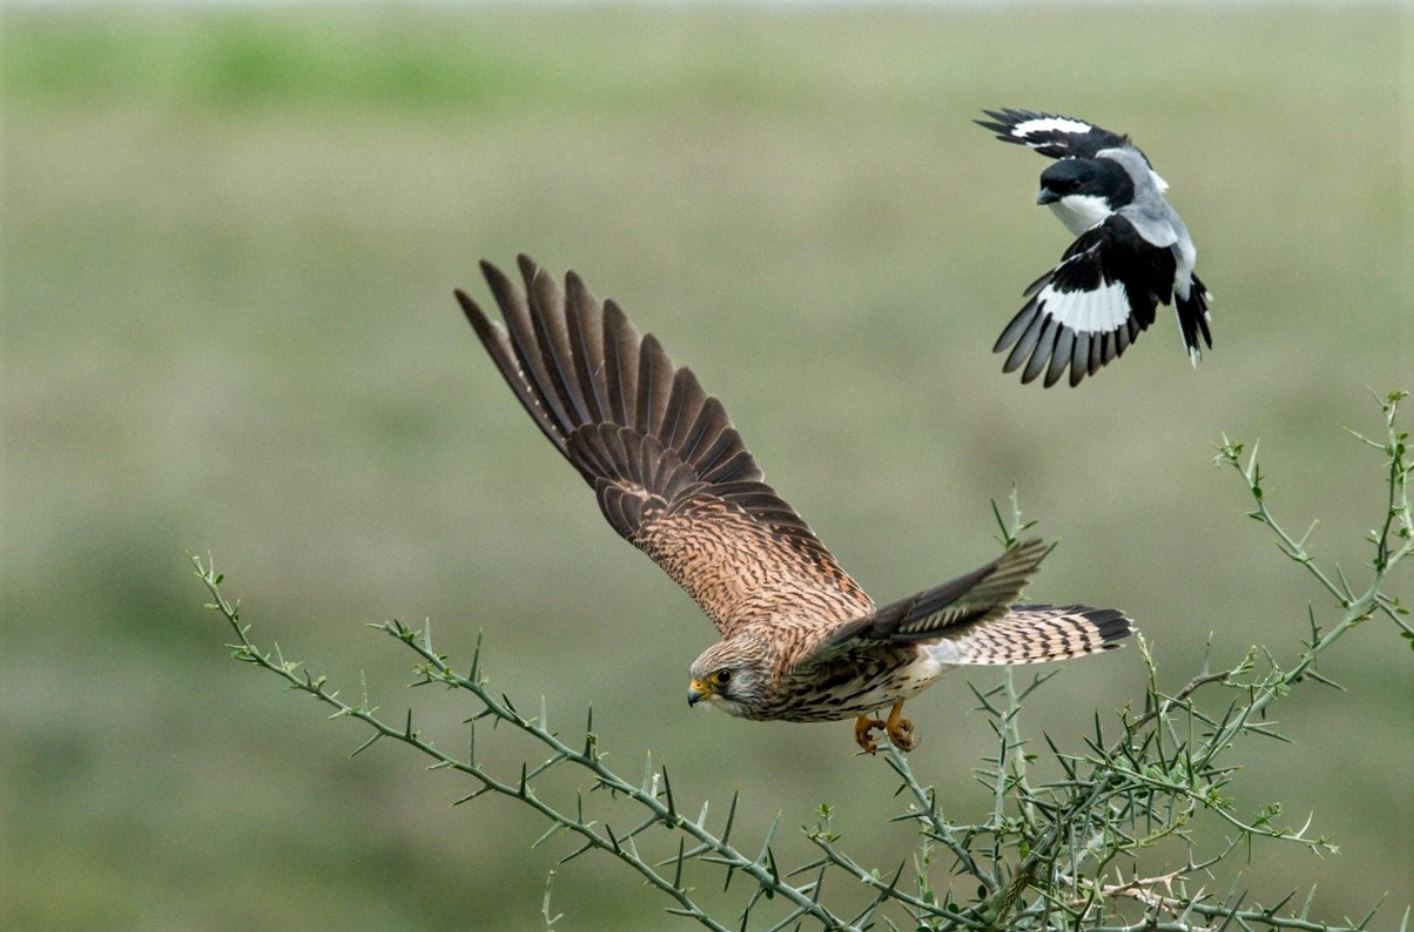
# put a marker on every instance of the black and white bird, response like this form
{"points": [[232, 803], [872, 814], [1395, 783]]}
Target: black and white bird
{"points": [[1131, 252]]}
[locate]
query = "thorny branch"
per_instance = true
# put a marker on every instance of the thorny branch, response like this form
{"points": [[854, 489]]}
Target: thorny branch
{"points": [[1049, 854]]}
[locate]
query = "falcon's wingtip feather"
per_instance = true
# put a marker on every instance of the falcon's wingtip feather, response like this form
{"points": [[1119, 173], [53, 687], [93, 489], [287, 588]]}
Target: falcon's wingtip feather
{"points": [[1033, 543], [501, 288], [1029, 553], [475, 316]]}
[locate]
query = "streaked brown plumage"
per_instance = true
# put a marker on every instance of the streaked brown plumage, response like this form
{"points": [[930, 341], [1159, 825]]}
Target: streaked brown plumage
{"points": [[801, 641]]}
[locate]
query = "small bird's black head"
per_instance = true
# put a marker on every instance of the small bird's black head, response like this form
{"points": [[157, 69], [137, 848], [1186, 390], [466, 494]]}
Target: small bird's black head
{"points": [[1098, 178]]}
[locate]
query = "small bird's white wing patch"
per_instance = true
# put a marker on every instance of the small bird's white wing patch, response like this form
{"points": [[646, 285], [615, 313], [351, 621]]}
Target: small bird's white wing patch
{"points": [[1098, 311], [1049, 125]]}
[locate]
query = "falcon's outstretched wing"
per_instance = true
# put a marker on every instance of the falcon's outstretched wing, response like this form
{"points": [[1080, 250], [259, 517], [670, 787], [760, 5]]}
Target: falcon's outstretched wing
{"points": [[984, 594], [1057, 136], [1092, 305], [670, 472]]}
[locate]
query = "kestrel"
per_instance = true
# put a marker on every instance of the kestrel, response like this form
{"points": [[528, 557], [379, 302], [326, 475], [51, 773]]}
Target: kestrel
{"points": [[801, 641], [1132, 251]]}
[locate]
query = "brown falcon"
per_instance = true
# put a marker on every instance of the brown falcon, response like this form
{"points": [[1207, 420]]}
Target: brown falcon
{"points": [[801, 641]]}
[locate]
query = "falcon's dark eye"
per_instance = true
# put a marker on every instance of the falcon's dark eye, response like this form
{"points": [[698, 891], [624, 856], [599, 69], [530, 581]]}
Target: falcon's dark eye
{"points": [[722, 677]]}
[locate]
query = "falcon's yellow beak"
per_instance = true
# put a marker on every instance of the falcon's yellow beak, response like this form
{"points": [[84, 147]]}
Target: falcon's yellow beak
{"points": [[698, 690]]}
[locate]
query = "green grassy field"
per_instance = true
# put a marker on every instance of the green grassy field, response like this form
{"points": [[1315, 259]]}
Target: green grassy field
{"points": [[229, 244]]}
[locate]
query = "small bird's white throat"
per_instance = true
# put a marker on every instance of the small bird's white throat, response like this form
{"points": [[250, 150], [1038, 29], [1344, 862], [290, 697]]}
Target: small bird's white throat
{"points": [[1080, 212]]}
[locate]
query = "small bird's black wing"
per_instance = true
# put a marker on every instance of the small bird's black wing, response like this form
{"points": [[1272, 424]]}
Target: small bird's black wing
{"points": [[1091, 306], [1051, 134]]}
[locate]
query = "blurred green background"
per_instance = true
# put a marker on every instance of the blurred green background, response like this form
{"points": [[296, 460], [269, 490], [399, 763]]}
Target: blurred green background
{"points": [[230, 239]]}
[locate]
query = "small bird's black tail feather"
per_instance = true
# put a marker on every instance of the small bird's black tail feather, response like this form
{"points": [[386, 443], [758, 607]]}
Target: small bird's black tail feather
{"points": [[1193, 319]]}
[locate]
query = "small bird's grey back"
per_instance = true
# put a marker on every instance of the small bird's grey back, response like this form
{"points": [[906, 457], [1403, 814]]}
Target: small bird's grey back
{"points": [[1149, 211], [1153, 216]]}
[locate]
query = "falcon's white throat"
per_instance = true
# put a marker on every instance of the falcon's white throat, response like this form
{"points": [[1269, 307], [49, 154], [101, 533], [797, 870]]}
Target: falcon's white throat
{"points": [[731, 707], [1080, 212]]}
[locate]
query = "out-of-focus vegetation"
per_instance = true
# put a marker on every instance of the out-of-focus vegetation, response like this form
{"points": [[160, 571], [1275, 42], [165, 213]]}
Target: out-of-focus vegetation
{"points": [[229, 241]]}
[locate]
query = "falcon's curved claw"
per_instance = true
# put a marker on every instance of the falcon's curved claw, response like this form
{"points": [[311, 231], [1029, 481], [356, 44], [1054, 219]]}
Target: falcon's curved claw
{"points": [[863, 732], [900, 729]]}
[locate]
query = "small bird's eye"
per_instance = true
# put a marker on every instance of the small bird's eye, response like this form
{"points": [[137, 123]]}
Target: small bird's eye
{"points": [[723, 677]]}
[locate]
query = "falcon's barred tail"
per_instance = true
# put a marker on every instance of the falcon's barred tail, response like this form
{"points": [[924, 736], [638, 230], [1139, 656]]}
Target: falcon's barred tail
{"points": [[1035, 634], [1193, 318]]}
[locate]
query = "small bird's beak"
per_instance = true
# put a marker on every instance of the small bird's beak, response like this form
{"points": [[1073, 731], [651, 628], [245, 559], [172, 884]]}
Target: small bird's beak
{"points": [[697, 691], [1047, 196]]}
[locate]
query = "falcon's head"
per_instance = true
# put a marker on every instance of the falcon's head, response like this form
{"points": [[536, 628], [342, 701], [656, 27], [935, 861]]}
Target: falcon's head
{"points": [[733, 675]]}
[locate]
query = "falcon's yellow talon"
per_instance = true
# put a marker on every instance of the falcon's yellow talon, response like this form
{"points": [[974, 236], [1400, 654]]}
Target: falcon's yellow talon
{"points": [[900, 729], [863, 732]]}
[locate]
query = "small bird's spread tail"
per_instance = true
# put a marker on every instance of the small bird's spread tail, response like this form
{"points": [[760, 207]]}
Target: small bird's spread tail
{"points": [[1193, 319], [1035, 634]]}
